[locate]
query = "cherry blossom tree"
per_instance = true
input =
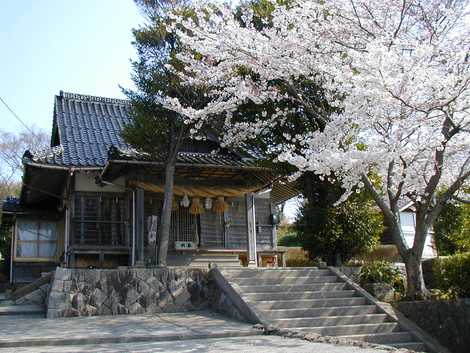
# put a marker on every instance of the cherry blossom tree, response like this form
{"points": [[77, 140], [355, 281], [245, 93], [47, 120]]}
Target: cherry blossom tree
{"points": [[396, 74]]}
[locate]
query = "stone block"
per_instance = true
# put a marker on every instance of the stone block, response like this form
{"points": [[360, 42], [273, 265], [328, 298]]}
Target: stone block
{"points": [[57, 285], [135, 309], [79, 302], [63, 274], [90, 310]]}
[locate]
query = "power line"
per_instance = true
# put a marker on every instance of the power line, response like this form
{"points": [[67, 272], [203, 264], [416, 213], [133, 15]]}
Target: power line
{"points": [[16, 116]]}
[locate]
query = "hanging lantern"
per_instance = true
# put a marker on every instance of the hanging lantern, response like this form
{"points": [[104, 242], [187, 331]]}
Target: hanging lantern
{"points": [[196, 207], [220, 206], [174, 205], [185, 201], [208, 203]]}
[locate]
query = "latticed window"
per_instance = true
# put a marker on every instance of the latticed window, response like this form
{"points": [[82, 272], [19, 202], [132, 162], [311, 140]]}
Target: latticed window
{"points": [[99, 219], [36, 239], [184, 226]]}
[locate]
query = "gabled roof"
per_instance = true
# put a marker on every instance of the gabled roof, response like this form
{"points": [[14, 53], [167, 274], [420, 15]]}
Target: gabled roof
{"points": [[84, 128], [87, 129]]}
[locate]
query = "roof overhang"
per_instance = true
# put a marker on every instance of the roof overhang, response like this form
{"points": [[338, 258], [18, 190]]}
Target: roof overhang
{"points": [[43, 185]]}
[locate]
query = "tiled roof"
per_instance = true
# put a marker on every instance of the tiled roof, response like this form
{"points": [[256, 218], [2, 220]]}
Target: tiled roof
{"points": [[185, 158], [86, 128]]}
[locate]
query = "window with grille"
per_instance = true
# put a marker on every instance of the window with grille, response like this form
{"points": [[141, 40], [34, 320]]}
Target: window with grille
{"points": [[99, 219], [36, 239], [184, 226]]}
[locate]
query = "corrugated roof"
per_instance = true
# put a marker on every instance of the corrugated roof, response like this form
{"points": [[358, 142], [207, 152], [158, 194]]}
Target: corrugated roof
{"points": [[86, 128]]}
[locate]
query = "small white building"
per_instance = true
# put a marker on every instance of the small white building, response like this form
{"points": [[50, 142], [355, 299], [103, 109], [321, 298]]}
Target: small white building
{"points": [[408, 225]]}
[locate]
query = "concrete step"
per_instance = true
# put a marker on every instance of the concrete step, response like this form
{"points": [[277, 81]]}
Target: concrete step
{"points": [[330, 321], [315, 312], [22, 310], [341, 330], [297, 280], [414, 346], [275, 273], [311, 303], [299, 295], [292, 288], [382, 338]]}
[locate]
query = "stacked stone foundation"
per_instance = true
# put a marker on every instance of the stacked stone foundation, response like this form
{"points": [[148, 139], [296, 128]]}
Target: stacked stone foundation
{"points": [[83, 292]]}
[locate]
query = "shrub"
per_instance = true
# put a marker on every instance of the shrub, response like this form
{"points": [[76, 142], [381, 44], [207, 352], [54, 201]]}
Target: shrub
{"points": [[339, 233], [297, 257], [382, 272], [452, 229], [289, 240], [453, 274]]}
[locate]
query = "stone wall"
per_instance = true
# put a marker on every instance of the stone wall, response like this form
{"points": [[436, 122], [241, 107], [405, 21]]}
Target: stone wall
{"points": [[221, 303], [447, 321], [36, 297], [83, 292]]}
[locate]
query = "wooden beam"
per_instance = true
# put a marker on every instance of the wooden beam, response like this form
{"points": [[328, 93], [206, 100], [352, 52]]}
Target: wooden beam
{"points": [[251, 229]]}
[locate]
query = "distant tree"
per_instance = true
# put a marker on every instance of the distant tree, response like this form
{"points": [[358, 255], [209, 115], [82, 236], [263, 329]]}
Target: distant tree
{"points": [[154, 129], [12, 147], [452, 229]]}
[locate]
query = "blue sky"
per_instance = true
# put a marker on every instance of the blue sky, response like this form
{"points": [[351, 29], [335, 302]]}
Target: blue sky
{"points": [[81, 46]]}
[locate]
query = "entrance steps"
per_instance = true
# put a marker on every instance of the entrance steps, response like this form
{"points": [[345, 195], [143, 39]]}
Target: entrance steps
{"points": [[318, 301], [205, 260]]}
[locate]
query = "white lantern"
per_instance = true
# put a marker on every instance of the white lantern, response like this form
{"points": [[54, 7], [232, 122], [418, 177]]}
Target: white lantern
{"points": [[208, 203], [185, 201]]}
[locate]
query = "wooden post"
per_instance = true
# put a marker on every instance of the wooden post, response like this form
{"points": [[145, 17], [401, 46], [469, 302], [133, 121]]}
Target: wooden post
{"points": [[251, 229], [139, 227]]}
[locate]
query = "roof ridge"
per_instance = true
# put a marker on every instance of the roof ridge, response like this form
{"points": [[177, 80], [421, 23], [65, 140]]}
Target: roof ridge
{"points": [[90, 98]]}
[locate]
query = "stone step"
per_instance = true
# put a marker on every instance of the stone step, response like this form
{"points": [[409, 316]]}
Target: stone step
{"points": [[312, 303], [7, 302], [299, 295], [297, 280], [342, 330], [206, 265], [22, 310], [275, 273], [315, 312], [330, 321], [415, 346], [382, 338], [292, 288]]}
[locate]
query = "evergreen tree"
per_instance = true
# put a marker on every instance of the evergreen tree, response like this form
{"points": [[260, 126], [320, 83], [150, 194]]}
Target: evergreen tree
{"points": [[155, 130]]}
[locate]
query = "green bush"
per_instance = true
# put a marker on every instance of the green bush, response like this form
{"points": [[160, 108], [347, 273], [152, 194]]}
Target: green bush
{"points": [[382, 272], [452, 229], [289, 240], [453, 274], [339, 233]]}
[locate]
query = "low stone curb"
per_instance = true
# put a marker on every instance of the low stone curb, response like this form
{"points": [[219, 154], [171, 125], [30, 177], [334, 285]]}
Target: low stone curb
{"points": [[54, 341], [313, 337]]}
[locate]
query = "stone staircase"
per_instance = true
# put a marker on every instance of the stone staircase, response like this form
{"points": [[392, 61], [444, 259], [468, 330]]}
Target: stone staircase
{"points": [[318, 301], [205, 260], [9, 309]]}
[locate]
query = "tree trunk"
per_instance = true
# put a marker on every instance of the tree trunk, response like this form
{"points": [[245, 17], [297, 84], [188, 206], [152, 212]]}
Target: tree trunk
{"points": [[166, 214], [415, 287]]}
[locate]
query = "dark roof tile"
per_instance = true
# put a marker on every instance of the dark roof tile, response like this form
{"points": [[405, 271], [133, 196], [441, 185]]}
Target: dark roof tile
{"points": [[89, 126]]}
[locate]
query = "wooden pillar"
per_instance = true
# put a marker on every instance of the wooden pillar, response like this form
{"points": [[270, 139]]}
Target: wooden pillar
{"points": [[139, 227], [251, 229]]}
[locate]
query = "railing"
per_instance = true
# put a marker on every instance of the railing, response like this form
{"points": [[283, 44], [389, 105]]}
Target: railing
{"points": [[103, 233]]}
